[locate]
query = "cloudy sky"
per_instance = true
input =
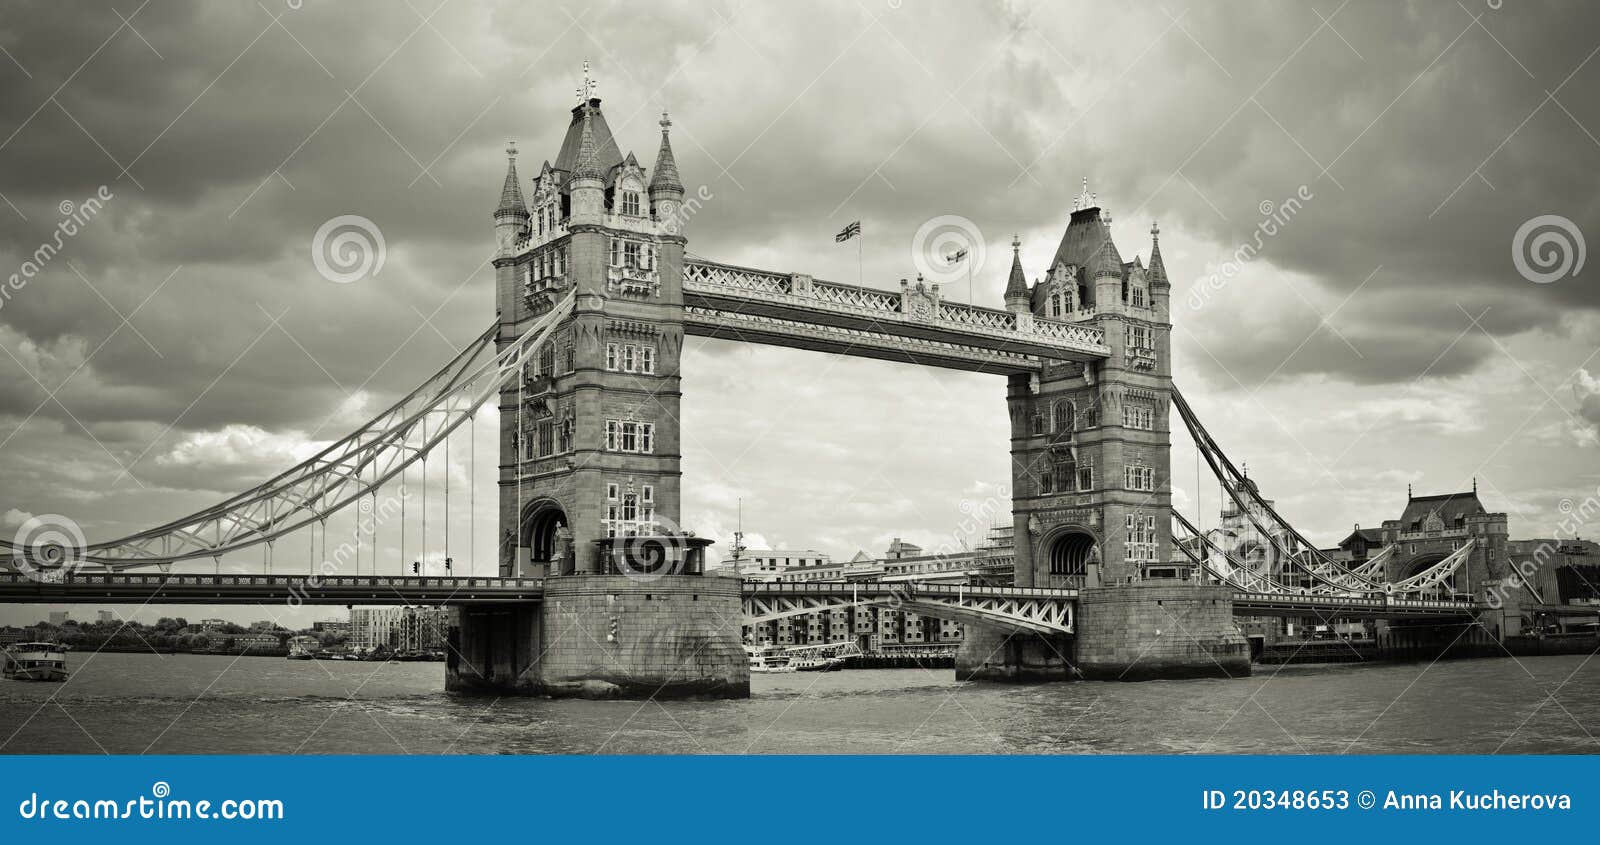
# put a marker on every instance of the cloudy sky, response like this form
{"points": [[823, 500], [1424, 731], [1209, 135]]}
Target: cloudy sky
{"points": [[183, 345]]}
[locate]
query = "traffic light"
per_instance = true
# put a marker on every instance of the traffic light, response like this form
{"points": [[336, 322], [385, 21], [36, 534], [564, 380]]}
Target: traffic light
{"points": [[449, 562], [416, 567]]}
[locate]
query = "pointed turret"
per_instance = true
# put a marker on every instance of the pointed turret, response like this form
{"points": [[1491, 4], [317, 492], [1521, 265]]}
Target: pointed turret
{"points": [[511, 201], [664, 179], [587, 186], [1017, 284], [588, 165], [511, 218], [1158, 269]]}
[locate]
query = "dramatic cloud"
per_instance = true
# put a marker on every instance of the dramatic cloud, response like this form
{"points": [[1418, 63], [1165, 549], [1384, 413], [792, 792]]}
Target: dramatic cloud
{"points": [[179, 341]]}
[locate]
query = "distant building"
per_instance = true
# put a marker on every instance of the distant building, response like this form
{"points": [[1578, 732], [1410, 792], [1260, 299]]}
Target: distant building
{"points": [[399, 628], [881, 629], [107, 616], [765, 564], [58, 618], [331, 626]]}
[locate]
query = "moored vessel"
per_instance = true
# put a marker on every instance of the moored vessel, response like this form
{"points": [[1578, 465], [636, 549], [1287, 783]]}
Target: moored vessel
{"points": [[35, 662]]}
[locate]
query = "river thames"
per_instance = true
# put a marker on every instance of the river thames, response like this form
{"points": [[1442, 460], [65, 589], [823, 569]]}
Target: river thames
{"points": [[200, 704]]}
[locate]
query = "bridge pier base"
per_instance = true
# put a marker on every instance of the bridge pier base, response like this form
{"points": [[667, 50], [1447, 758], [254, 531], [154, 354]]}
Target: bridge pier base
{"points": [[1159, 629], [989, 654], [608, 636], [1130, 632]]}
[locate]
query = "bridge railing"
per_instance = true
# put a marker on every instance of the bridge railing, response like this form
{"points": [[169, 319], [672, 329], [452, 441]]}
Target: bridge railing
{"points": [[1375, 600], [704, 276], [180, 579], [907, 589]]}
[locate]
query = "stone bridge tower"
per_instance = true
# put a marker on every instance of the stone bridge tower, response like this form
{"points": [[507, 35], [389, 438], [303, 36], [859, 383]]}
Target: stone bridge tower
{"points": [[1090, 442], [589, 438], [589, 445]]}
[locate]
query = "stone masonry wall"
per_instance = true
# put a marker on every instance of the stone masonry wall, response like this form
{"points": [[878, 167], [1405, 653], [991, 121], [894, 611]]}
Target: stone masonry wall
{"points": [[1154, 629]]}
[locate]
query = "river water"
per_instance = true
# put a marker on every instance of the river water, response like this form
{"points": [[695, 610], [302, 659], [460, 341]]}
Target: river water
{"points": [[200, 704]]}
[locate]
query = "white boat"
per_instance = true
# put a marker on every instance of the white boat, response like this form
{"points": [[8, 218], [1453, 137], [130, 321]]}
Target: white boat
{"points": [[768, 659], [35, 662], [822, 657], [304, 648]]}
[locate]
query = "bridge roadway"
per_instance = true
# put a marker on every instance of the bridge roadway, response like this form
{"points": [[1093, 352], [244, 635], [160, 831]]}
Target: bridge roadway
{"points": [[1037, 609]]}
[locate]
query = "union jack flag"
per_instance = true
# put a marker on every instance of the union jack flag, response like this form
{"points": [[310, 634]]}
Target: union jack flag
{"points": [[850, 231]]}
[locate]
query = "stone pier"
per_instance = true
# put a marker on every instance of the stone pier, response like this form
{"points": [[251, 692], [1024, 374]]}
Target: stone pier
{"points": [[1131, 632], [607, 636]]}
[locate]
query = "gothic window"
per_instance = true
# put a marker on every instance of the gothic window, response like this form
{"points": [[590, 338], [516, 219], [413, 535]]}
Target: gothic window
{"points": [[547, 360], [1139, 414], [1137, 297], [1141, 530], [1085, 476], [616, 252], [632, 254], [1065, 416], [569, 355], [647, 360], [1039, 422], [1066, 475], [546, 439], [1046, 485], [630, 436], [630, 203], [1055, 304], [1091, 416], [629, 354], [1138, 337], [612, 356], [1139, 478], [566, 436], [611, 491], [527, 444]]}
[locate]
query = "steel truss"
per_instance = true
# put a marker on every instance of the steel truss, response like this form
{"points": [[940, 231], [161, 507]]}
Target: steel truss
{"points": [[355, 466]]}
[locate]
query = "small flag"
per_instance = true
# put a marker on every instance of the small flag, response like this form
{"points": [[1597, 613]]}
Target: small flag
{"points": [[850, 231], [956, 257]]}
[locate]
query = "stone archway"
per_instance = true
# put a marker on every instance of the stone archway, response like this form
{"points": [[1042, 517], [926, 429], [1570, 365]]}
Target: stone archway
{"points": [[544, 527], [1069, 553]]}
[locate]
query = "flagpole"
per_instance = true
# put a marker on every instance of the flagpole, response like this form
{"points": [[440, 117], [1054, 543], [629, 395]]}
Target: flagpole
{"points": [[860, 280]]}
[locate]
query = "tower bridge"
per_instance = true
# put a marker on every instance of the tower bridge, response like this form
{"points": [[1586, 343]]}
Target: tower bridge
{"points": [[599, 591]]}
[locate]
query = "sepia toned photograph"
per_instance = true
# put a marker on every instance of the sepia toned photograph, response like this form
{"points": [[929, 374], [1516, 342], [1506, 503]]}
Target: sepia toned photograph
{"points": [[521, 377]]}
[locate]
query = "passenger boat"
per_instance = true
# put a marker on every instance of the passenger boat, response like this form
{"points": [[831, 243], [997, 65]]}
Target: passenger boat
{"points": [[768, 659], [35, 662], [303, 648], [816, 663]]}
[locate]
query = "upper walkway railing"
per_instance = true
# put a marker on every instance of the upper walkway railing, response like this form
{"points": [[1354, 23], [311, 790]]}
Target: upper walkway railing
{"points": [[913, 308]]}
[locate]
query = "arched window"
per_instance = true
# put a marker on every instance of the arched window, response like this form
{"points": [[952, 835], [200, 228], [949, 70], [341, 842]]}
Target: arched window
{"points": [[1039, 422], [1046, 487], [1066, 475], [1055, 304], [1066, 417]]}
